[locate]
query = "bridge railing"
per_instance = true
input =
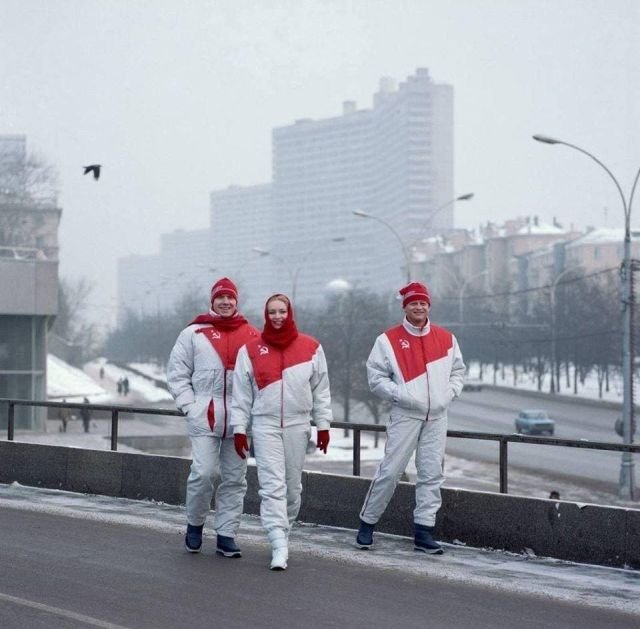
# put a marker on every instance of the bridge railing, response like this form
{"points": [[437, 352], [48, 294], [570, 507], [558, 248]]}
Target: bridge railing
{"points": [[503, 439]]}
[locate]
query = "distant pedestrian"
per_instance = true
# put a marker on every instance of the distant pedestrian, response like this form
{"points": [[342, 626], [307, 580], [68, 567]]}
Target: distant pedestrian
{"points": [[120, 385], [125, 386], [200, 378], [418, 368], [85, 413], [64, 415]]}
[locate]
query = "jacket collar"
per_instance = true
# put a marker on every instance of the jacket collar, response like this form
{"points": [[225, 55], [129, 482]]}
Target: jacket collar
{"points": [[412, 329]]}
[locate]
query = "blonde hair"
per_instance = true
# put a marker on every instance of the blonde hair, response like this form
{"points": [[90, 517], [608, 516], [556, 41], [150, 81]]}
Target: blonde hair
{"points": [[278, 297]]}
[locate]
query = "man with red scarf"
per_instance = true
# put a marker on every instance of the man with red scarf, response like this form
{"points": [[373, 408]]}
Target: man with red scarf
{"points": [[280, 384], [200, 375]]}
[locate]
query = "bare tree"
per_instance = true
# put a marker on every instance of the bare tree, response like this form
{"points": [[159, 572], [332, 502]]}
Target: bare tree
{"points": [[27, 179], [27, 184], [72, 329]]}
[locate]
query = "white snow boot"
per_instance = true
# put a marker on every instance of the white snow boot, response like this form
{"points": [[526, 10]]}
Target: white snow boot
{"points": [[279, 549]]}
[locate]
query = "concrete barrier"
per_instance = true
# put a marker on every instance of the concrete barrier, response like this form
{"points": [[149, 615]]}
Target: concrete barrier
{"points": [[594, 534]]}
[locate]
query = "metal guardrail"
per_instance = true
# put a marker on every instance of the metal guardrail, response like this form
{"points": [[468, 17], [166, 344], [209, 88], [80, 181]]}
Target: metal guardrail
{"points": [[502, 439]]}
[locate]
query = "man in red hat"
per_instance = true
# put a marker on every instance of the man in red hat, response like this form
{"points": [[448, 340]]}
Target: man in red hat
{"points": [[200, 375], [418, 367]]}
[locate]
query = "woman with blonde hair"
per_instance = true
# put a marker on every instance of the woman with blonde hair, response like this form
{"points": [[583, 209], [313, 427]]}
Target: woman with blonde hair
{"points": [[280, 383]]}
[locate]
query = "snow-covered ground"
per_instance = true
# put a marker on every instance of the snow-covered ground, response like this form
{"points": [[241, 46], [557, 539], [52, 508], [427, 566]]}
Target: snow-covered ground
{"points": [[72, 384], [593, 586], [529, 382]]}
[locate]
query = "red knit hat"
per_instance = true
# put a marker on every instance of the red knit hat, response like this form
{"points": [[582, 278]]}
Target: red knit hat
{"points": [[414, 291], [224, 286]]}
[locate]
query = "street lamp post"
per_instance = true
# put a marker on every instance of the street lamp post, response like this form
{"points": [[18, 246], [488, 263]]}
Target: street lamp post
{"points": [[294, 271], [391, 228], [406, 250], [627, 478], [463, 197]]}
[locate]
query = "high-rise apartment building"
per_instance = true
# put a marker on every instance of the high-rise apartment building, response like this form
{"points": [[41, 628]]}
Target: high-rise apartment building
{"points": [[240, 218], [297, 234], [394, 162], [154, 283]]}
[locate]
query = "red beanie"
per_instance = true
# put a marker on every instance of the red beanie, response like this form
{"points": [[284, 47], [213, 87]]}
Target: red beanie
{"points": [[414, 291], [224, 286]]}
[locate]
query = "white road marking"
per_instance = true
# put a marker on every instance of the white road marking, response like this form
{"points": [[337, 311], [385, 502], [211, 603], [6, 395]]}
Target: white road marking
{"points": [[65, 613]]}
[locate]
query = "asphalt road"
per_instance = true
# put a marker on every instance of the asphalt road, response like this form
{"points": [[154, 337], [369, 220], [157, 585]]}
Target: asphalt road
{"points": [[495, 411], [58, 571]]}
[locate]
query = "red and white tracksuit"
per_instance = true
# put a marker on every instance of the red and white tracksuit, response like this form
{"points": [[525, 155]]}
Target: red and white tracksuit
{"points": [[420, 371], [200, 377], [276, 392]]}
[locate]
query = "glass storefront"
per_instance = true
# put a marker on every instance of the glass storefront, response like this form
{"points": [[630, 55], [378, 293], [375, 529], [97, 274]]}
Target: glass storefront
{"points": [[23, 351]]}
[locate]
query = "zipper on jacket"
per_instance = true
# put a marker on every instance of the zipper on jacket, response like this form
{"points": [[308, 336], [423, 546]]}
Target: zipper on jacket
{"points": [[282, 389], [426, 371], [224, 402], [224, 387]]}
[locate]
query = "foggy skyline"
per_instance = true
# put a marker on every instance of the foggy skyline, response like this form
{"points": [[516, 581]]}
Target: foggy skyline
{"points": [[178, 99]]}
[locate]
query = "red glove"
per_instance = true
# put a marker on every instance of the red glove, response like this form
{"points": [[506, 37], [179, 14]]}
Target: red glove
{"points": [[241, 444], [323, 440]]}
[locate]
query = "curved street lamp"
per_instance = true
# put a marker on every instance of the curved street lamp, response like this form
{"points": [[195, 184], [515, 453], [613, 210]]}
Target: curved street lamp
{"points": [[463, 197], [627, 480], [391, 228], [294, 271], [406, 249]]}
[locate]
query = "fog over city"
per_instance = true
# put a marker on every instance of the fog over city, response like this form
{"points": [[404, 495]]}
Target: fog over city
{"points": [[176, 99]]}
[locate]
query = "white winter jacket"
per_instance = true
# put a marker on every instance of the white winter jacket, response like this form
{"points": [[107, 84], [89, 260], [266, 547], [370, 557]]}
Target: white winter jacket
{"points": [[419, 370], [282, 387], [200, 375]]}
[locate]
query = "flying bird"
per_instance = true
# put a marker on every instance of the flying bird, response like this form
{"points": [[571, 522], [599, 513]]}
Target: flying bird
{"points": [[93, 168]]}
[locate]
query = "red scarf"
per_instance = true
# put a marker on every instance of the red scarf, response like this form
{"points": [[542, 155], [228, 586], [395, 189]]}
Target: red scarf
{"points": [[226, 324], [283, 337]]}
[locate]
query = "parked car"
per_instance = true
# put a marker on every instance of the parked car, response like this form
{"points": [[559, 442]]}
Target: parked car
{"points": [[534, 422], [472, 384]]}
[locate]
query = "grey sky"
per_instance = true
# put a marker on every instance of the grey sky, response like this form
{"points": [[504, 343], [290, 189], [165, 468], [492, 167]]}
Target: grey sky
{"points": [[179, 98]]}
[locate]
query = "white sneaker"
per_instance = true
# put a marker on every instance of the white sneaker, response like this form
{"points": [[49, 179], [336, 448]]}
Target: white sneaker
{"points": [[279, 557]]}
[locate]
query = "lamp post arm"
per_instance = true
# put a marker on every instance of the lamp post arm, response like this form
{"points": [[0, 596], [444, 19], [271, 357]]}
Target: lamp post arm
{"points": [[425, 225], [615, 181], [392, 229], [427, 220]]}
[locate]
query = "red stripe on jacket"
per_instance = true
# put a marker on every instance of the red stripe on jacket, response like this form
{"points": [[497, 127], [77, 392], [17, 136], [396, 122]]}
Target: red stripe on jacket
{"points": [[228, 343], [269, 362], [414, 353]]}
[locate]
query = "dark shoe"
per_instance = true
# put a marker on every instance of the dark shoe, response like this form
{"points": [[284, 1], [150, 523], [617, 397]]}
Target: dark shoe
{"points": [[193, 538], [424, 542], [364, 541], [227, 547]]}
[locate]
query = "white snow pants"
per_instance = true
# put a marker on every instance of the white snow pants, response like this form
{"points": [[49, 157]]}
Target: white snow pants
{"points": [[280, 454], [404, 436], [215, 461]]}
